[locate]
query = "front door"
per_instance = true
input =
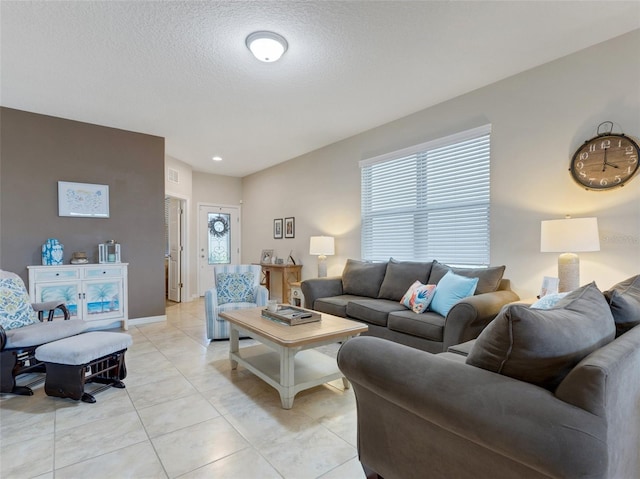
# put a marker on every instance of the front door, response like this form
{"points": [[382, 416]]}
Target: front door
{"points": [[218, 241]]}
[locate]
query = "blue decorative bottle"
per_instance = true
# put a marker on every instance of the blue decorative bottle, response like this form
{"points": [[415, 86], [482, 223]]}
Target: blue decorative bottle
{"points": [[52, 252]]}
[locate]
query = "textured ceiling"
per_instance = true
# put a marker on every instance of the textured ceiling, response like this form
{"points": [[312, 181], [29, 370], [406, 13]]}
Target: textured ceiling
{"points": [[181, 70]]}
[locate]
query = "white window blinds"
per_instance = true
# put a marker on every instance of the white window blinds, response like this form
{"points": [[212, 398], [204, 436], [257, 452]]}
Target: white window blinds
{"points": [[430, 201]]}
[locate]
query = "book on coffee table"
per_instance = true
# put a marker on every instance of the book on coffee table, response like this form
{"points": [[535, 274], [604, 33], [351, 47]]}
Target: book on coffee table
{"points": [[291, 315]]}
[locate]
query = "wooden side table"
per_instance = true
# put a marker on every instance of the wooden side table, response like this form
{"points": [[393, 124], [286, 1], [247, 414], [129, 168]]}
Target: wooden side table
{"points": [[291, 273]]}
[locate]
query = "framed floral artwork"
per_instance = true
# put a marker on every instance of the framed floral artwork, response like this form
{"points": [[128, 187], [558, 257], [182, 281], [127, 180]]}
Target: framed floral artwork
{"points": [[289, 227], [83, 200], [277, 228]]}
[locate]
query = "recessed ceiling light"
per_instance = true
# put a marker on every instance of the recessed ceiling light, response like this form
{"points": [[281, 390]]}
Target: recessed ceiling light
{"points": [[216, 158], [267, 46]]}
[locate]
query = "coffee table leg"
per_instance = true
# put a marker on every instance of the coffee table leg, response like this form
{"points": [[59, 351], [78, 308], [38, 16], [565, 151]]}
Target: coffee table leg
{"points": [[234, 343], [287, 377]]}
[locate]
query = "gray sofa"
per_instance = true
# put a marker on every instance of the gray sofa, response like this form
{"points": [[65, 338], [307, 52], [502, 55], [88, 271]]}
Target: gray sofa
{"points": [[371, 293], [540, 394]]}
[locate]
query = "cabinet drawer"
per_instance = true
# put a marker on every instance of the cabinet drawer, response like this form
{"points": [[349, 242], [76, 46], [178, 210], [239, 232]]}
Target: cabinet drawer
{"points": [[57, 274], [103, 272]]}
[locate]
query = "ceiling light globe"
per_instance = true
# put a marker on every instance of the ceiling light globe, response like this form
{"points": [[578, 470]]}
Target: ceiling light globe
{"points": [[267, 46]]}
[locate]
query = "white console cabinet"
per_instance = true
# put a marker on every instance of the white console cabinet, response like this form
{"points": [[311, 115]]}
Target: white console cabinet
{"points": [[93, 292]]}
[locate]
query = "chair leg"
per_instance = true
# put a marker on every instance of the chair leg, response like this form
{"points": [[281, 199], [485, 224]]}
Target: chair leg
{"points": [[8, 367]]}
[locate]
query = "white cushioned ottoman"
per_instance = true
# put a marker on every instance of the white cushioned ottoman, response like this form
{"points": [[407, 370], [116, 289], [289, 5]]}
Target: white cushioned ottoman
{"points": [[90, 357]]}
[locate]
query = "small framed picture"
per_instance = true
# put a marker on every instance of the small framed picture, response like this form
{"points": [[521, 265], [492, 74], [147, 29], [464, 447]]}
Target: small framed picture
{"points": [[289, 227], [267, 256], [83, 200], [277, 228], [549, 286]]}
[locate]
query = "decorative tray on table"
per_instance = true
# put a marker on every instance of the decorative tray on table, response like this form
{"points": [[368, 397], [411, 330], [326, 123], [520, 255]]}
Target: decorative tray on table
{"points": [[291, 316]]}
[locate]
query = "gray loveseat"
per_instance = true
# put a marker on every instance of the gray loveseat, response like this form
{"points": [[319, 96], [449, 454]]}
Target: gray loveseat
{"points": [[540, 394], [371, 293]]}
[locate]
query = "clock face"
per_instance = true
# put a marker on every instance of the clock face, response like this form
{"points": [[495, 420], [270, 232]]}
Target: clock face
{"points": [[605, 162]]}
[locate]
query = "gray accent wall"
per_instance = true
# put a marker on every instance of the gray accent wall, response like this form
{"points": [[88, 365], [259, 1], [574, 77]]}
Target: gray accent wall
{"points": [[37, 151]]}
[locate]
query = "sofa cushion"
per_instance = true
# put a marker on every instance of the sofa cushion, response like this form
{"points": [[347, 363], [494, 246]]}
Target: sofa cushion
{"points": [[541, 346], [425, 325], [400, 275], [336, 305], [488, 278], [624, 301], [47, 332], [450, 289], [363, 279], [374, 311]]}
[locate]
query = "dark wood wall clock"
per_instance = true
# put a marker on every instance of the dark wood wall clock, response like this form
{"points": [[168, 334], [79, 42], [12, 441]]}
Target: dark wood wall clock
{"points": [[606, 161]]}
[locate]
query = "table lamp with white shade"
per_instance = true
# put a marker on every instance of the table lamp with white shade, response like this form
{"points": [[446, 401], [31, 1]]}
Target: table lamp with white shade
{"points": [[569, 236], [322, 246]]}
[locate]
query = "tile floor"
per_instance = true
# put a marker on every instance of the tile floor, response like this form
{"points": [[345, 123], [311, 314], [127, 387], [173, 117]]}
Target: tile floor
{"points": [[184, 413]]}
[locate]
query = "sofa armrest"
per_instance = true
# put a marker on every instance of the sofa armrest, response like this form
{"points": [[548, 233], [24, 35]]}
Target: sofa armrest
{"points": [[523, 422], [315, 288], [262, 295], [469, 316]]}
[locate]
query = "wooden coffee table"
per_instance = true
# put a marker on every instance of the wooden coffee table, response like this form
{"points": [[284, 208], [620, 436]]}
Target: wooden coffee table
{"points": [[285, 359]]}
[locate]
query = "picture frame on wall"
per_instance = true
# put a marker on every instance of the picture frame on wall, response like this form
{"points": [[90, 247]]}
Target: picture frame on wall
{"points": [[83, 200], [267, 256], [290, 227], [277, 228]]}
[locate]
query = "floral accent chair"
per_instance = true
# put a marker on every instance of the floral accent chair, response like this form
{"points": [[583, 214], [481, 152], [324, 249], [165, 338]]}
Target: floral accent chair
{"points": [[235, 287]]}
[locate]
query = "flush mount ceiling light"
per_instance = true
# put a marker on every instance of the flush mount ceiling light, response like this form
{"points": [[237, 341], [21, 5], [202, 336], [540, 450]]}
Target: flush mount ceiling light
{"points": [[267, 46], [216, 158]]}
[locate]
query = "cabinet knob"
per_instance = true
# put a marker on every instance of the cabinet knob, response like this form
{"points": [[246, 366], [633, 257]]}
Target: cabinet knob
{"points": [[57, 274]]}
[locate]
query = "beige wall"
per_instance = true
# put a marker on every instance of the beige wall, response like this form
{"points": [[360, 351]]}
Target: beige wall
{"points": [[538, 118]]}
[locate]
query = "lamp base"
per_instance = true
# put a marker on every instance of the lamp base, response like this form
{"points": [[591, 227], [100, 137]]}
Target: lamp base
{"points": [[568, 272], [322, 266]]}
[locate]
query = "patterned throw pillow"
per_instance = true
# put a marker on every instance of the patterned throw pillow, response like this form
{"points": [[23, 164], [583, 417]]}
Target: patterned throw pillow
{"points": [[235, 287], [422, 297], [418, 296], [15, 305], [406, 299]]}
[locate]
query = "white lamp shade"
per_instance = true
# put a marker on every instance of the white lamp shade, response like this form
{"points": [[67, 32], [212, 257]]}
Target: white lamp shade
{"points": [[267, 46], [322, 245], [569, 235]]}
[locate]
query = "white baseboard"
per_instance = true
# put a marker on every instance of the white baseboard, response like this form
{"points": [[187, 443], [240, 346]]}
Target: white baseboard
{"points": [[147, 320]]}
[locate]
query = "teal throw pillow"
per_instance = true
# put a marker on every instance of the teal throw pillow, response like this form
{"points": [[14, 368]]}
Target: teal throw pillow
{"points": [[451, 289], [15, 306], [236, 287]]}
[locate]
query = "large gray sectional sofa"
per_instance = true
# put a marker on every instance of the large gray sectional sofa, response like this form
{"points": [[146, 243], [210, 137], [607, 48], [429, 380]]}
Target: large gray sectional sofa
{"points": [[539, 394], [371, 293]]}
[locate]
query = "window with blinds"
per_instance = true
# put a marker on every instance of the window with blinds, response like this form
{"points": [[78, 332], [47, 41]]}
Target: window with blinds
{"points": [[430, 201]]}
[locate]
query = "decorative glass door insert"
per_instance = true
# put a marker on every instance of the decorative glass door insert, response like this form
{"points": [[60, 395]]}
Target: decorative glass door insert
{"points": [[219, 238]]}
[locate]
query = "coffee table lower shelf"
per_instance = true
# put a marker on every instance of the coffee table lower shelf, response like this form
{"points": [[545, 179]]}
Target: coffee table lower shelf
{"points": [[288, 370]]}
